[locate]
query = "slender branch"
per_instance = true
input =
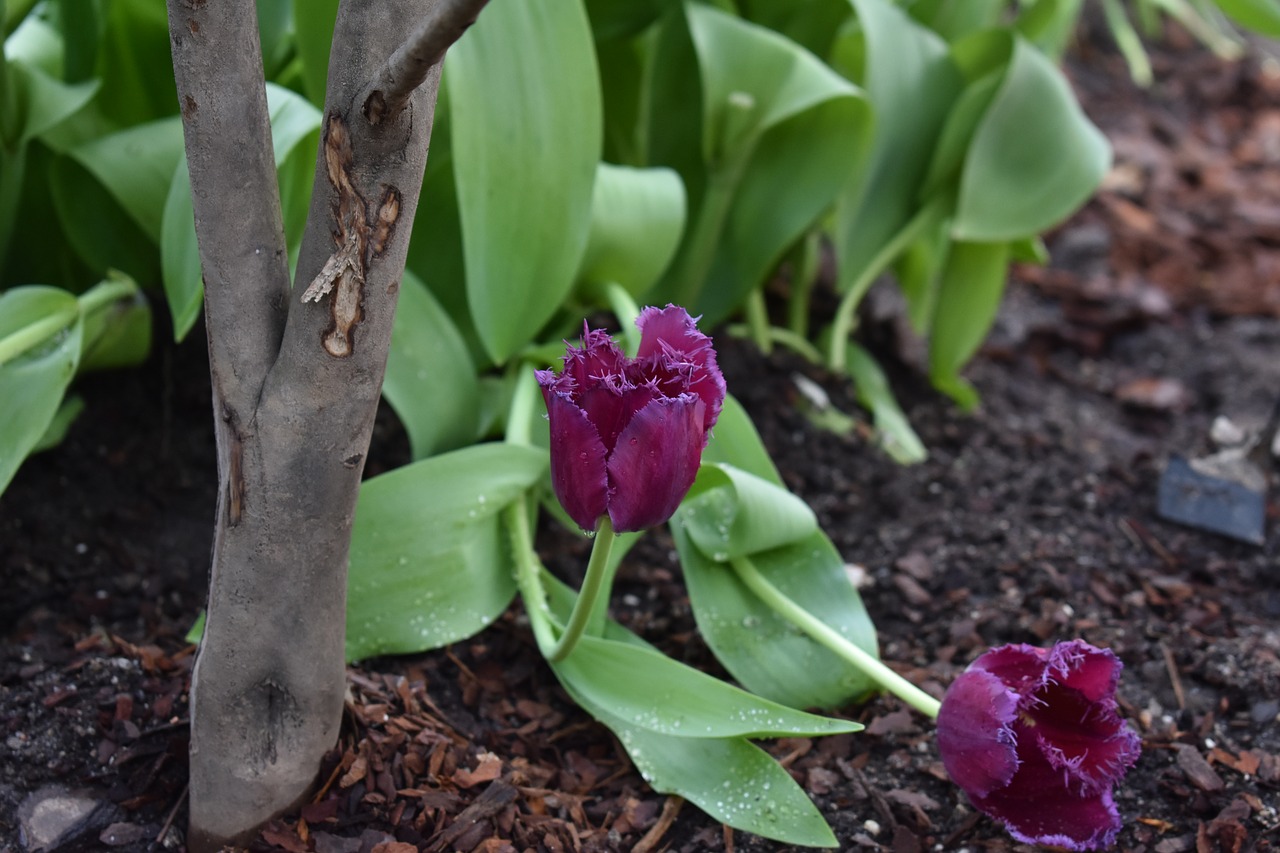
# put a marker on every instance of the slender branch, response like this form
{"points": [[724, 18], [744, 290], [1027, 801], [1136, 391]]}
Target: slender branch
{"points": [[217, 63], [383, 100]]}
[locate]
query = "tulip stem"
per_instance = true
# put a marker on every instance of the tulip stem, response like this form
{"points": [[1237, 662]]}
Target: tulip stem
{"points": [[598, 578], [527, 568], [927, 217], [825, 635], [758, 320]]}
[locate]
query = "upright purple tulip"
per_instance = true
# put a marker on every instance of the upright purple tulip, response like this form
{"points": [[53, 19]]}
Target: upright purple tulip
{"points": [[627, 433], [1033, 737]]}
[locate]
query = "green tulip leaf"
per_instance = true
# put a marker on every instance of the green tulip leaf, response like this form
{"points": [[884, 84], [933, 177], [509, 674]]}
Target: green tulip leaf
{"points": [[429, 565], [135, 166], [430, 382], [776, 134], [314, 20], [729, 778], [1260, 16], [41, 102], [40, 335], [68, 410], [730, 513], [732, 780], [117, 325], [735, 441], [136, 66], [911, 81], [637, 217], [893, 429], [526, 123], [1034, 157], [766, 653], [969, 292]]}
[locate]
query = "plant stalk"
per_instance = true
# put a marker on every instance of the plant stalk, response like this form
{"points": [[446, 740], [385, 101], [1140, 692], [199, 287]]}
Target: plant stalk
{"points": [[599, 578], [822, 633], [758, 321], [842, 325], [28, 337]]}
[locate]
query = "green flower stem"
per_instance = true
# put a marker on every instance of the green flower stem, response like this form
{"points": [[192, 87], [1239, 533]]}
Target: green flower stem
{"points": [[842, 326], [107, 291], [699, 250], [804, 273], [822, 633], [626, 310], [527, 579], [30, 336], [782, 337], [599, 578], [758, 321]]}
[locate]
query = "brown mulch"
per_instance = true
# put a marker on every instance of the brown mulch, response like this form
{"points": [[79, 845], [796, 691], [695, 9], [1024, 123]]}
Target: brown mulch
{"points": [[1033, 520]]}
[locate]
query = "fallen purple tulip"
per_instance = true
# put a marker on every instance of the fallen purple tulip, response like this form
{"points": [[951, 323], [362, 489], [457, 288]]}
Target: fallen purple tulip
{"points": [[1034, 738], [627, 434]]}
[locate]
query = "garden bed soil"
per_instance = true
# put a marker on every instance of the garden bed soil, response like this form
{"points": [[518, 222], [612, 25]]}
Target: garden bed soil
{"points": [[1033, 520]]}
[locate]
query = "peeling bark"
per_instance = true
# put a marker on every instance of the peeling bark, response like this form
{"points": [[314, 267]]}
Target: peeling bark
{"points": [[296, 385]]}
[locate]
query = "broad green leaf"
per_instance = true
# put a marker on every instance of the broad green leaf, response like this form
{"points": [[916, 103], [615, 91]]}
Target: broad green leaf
{"points": [[622, 78], [779, 132], [730, 513], [526, 118], [314, 20], [647, 689], [40, 331], [295, 125], [731, 779], [135, 165], [952, 142], [953, 19], [117, 324], [42, 102], [430, 382], [812, 24], [68, 410], [276, 33], [1260, 16], [766, 653], [637, 217], [1034, 157], [894, 432], [728, 778], [911, 83], [81, 25], [429, 564], [616, 19], [136, 64], [968, 296], [735, 441]]}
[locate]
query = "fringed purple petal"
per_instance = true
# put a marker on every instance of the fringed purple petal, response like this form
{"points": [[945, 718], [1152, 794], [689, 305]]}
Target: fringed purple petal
{"points": [[681, 357], [655, 461], [578, 472], [975, 736], [598, 360], [1037, 807], [611, 407], [1071, 744]]}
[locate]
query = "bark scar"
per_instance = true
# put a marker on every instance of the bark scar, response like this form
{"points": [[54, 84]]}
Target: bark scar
{"points": [[362, 232]]}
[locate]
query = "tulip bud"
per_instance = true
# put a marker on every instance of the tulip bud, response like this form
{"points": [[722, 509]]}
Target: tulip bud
{"points": [[1033, 737], [627, 434]]}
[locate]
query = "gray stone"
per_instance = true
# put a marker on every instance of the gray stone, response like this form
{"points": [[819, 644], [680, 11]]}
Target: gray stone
{"points": [[54, 817]]}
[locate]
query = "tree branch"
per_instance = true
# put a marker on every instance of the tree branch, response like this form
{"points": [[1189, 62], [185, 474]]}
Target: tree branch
{"points": [[405, 70], [217, 63]]}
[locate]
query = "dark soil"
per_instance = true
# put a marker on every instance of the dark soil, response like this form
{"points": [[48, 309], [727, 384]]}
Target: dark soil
{"points": [[1033, 520]]}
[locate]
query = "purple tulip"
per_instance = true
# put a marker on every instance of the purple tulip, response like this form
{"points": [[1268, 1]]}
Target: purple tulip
{"points": [[627, 433], [1033, 737]]}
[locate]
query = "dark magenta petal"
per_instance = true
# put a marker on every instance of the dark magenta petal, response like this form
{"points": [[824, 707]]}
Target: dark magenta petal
{"points": [[655, 461], [1070, 743], [611, 408], [974, 734], [578, 472], [682, 357], [1092, 671], [1019, 666], [1085, 741], [1038, 807], [599, 360]]}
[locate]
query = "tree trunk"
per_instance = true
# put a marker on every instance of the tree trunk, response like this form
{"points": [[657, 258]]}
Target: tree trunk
{"points": [[295, 385]]}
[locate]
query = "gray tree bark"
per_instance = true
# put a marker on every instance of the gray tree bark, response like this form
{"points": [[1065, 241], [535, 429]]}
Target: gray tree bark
{"points": [[296, 379]]}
